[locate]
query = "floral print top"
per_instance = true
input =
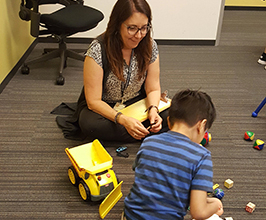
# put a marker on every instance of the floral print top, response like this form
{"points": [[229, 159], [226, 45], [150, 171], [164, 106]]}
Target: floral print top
{"points": [[115, 89]]}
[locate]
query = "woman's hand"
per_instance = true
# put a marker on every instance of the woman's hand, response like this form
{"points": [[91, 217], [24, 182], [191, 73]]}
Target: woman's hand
{"points": [[134, 127], [153, 91], [155, 121]]}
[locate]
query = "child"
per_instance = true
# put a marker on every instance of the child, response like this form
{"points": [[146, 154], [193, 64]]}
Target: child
{"points": [[172, 170]]}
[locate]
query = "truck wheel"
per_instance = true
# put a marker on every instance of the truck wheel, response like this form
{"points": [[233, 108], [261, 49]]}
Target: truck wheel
{"points": [[84, 191], [73, 176]]}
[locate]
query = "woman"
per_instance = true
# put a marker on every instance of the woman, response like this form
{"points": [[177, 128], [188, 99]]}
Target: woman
{"points": [[133, 61]]}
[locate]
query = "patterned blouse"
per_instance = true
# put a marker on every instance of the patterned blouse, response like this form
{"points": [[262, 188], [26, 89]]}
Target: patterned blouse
{"points": [[114, 86]]}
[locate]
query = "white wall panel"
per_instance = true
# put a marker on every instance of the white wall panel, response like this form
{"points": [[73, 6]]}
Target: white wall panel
{"points": [[172, 19]]}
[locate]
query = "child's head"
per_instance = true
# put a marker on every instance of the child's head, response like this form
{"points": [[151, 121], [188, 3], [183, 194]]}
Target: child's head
{"points": [[191, 106]]}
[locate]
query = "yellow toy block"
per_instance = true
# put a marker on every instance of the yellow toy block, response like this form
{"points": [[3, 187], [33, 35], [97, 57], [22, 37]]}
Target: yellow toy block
{"points": [[228, 183], [215, 186]]}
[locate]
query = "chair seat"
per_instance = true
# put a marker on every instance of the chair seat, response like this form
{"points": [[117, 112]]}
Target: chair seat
{"points": [[72, 19]]}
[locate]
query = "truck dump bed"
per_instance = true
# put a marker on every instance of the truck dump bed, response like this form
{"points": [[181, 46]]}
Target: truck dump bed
{"points": [[92, 157]]}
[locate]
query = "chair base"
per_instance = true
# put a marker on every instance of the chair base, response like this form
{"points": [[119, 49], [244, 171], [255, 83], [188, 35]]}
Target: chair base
{"points": [[49, 54]]}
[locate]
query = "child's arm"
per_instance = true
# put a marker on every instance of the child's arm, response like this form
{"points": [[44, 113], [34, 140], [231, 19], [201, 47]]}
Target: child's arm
{"points": [[220, 205], [202, 207]]}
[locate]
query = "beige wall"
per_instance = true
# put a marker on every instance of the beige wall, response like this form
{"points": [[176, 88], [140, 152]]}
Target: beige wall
{"points": [[15, 36], [172, 19], [249, 3]]}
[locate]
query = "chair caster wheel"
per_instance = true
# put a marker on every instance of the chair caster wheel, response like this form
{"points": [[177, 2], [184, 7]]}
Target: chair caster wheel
{"points": [[25, 70], [60, 80]]}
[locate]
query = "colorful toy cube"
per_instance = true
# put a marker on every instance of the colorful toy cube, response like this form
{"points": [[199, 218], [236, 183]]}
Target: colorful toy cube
{"points": [[215, 186], [218, 193], [206, 139], [249, 136], [259, 144], [250, 207], [228, 183]]}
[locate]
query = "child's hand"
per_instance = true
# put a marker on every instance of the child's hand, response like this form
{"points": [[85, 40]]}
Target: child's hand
{"points": [[219, 204], [220, 210], [202, 207]]}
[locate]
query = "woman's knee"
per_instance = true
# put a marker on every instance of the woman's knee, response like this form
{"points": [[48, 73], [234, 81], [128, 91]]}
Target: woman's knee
{"points": [[89, 121]]}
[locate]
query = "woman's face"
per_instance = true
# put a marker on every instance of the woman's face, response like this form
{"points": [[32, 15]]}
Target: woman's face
{"points": [[138, 20]]}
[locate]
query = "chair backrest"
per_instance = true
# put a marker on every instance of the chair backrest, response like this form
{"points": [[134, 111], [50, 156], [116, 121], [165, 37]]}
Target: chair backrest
{"points": [[62, 2], [47, 1], [29, 11], [29, 4]]}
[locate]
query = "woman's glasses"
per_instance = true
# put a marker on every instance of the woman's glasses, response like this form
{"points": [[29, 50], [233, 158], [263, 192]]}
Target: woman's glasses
{"points": [[133, 29]]}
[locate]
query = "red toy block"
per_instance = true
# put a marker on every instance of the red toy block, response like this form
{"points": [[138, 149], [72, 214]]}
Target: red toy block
{"points": [[250, 207]]}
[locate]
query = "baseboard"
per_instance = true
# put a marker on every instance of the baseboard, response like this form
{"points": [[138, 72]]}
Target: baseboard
{"points": [[159, 41], [70, 40], [186, 42], [17, 66], [242, 8]]}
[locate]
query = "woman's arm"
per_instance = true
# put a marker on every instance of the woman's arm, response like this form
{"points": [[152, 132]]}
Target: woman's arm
{"points": [[93, 79], [153, 91]]}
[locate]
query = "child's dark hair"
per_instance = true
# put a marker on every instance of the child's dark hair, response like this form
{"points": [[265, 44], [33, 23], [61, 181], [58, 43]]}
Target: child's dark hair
{"points": [[191, 106]]}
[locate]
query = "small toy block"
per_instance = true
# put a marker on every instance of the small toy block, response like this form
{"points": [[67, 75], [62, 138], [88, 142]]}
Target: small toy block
{"points": [[249, 136], [218, 193], [228, 183], [250, 207], [206, 139], [259, 144], [228, 218], [215, 186]]}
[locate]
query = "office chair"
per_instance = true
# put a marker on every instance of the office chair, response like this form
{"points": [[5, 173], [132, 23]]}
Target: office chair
{"points": [[74, 17]]}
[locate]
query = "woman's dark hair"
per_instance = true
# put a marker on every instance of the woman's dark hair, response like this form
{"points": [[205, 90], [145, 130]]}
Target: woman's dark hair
{"points": [[122, 10], [191, 106]]}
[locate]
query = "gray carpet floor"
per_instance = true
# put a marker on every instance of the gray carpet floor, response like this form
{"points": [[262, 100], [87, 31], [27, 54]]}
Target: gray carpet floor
{"points": [[33, 172]]}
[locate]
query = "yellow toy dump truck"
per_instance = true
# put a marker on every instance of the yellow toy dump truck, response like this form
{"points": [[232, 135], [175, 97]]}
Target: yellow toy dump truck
{"points": [[91, 171]]}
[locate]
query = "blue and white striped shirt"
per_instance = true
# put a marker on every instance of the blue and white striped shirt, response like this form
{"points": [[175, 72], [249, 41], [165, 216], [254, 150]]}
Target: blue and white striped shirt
{"points": [[167, 167]]}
